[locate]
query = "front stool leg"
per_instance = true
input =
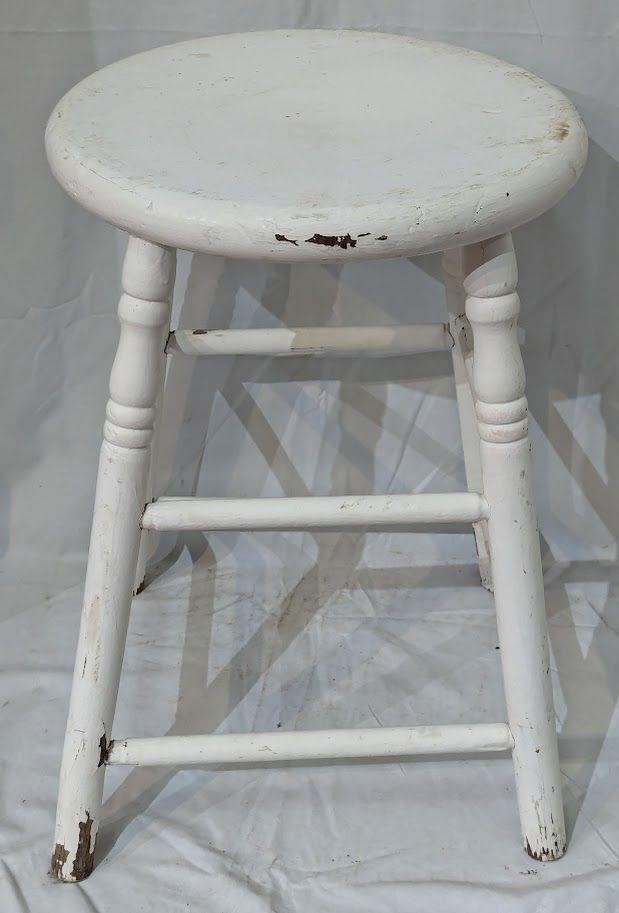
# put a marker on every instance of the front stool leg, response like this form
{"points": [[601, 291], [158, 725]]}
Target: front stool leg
{"points": [[462, 357], [492, 307], [144, 312]]}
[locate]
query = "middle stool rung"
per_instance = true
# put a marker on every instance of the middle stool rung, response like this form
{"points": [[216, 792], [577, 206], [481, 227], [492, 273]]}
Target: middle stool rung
{"points": [[313, 512], [281, 341]]}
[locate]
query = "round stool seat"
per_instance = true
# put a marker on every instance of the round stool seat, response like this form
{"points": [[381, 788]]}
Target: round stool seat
{"points": [[299, 145]]}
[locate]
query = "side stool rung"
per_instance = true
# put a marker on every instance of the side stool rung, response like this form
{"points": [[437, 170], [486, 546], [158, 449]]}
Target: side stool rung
{"points": [[323, 744], [282, 341], [313, 512]]}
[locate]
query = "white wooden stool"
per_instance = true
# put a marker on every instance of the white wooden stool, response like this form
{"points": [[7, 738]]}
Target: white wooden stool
{"points": [[298, 146]]}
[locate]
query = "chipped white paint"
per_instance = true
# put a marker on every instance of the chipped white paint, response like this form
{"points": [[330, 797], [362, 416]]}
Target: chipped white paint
{"points": [[492, 307], [313, 512], [322, 744], [281, 341], [143, 311], [299, 145]]}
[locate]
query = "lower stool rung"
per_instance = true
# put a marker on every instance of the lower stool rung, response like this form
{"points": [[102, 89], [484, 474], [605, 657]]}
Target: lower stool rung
{"points": [[313, 512], [256, 747]]}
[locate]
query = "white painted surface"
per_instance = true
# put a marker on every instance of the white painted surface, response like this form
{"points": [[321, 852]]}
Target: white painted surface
{"points": [[313, 512], [144, 312], [320, 744], [60, 331], [281, 341], [488, 274], [492, 307], [242, 648], [306, 145], [535, 153], [462, 362]]}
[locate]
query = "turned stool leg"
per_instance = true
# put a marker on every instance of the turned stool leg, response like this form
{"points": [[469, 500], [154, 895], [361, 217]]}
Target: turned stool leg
{"points": [[492, 307], [461, 355], [143, 311]]}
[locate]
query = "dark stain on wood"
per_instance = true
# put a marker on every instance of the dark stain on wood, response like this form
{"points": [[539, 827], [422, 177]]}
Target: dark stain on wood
{"points": [[84, 857], [103, 750], [343, 241], [546, 853], [560, 129], [59, 857], [284, 238]]}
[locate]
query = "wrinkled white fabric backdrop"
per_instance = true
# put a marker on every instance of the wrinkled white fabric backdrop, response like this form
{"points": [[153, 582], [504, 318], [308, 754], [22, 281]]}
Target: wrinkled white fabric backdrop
{"points": [[238, 632]]}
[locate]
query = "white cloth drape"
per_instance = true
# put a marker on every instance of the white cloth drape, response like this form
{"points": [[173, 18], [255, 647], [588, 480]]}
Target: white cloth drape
{"points": [[300, 630]]}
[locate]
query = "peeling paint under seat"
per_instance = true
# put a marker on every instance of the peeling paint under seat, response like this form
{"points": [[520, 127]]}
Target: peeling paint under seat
{"points": [[238, 145]]}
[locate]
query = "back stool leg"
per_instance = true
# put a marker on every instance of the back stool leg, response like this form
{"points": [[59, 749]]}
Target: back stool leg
{"points": [[143, 311], [148, 537], [461, 354], [492, 308]]}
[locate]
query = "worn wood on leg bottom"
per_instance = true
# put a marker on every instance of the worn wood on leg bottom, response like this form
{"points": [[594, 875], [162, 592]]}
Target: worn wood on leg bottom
{"points": [[121, 487], [492, 308]]}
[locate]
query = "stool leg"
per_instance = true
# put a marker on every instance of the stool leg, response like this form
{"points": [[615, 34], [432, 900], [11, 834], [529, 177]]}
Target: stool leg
{"points": [[149, 538], [461, 354], [492, 307], [143, 311]]}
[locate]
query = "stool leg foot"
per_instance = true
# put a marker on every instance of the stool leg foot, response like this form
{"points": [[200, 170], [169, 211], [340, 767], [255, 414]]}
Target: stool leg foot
{"points": [[492, 307], [461, 354], [119, 502]]}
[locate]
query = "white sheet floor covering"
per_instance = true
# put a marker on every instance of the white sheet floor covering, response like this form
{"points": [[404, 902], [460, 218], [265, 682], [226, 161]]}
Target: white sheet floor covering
{"points": [[353, 636]]}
